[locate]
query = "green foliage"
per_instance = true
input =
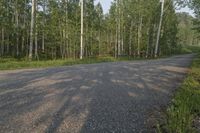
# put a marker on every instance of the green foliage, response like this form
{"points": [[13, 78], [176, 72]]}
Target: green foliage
{"points": [[185, 50], [189, 27], [186, 35], [130, 28], [194, 49], [185, 106]]}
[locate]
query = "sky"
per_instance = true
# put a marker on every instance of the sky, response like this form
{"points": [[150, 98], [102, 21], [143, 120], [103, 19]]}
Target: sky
{"points": [[106, 6], [186, 9]]}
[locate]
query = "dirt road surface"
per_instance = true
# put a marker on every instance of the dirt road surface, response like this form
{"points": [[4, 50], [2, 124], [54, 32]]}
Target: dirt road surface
{"points": [[114, 97]]}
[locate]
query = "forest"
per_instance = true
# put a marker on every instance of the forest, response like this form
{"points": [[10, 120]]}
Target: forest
{"points": [[72, 29], [152, 86]]}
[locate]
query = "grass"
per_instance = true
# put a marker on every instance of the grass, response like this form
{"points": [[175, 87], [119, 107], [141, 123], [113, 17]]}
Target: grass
{"points": [[186, 103], [11, 63]]}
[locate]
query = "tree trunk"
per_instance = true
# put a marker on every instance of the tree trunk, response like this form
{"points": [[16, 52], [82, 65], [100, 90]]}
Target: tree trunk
{"points": [[116, 42], [99, 41], [130, 39], [32, 29], [119, 29], [148, 43], [36, 34], [2, 41], [139, 36], [81, 46], [159, 28], [17, 30], [36, 44], [8, 46], [43, 24]]}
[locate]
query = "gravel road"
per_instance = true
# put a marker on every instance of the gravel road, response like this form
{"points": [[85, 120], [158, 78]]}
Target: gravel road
{"points": [[119, 97]]}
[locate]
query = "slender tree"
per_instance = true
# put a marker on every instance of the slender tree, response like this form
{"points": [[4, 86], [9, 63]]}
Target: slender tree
{"points": [[32, 29], [81, 44], [159, 27]]}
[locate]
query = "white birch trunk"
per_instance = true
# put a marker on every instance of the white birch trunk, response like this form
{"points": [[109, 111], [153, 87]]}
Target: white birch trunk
{"points": [[81, 45], [159, 28], [32, 29]]}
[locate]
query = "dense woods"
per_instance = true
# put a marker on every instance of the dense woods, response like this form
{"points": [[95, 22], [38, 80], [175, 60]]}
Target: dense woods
{"points": [[51, 29], [186, 34]]}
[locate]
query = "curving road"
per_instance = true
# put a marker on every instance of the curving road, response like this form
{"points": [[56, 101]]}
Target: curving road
{"points": [[118, 97]]}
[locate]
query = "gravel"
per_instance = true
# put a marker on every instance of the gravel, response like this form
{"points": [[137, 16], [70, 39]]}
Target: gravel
{"points": [[119, 97]]}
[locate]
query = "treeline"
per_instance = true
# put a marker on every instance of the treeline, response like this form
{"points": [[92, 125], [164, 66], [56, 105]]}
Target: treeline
{"points": [[187, 34], [189, 27], [129, 29], [195, 5]]}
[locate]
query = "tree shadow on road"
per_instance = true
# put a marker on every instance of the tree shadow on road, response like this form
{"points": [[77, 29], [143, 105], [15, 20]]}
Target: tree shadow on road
{"points": [[113, 97]]}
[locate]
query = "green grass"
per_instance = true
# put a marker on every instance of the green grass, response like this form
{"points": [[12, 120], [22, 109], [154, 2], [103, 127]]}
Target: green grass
{"points": [[11, 63], [186, 103]]}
